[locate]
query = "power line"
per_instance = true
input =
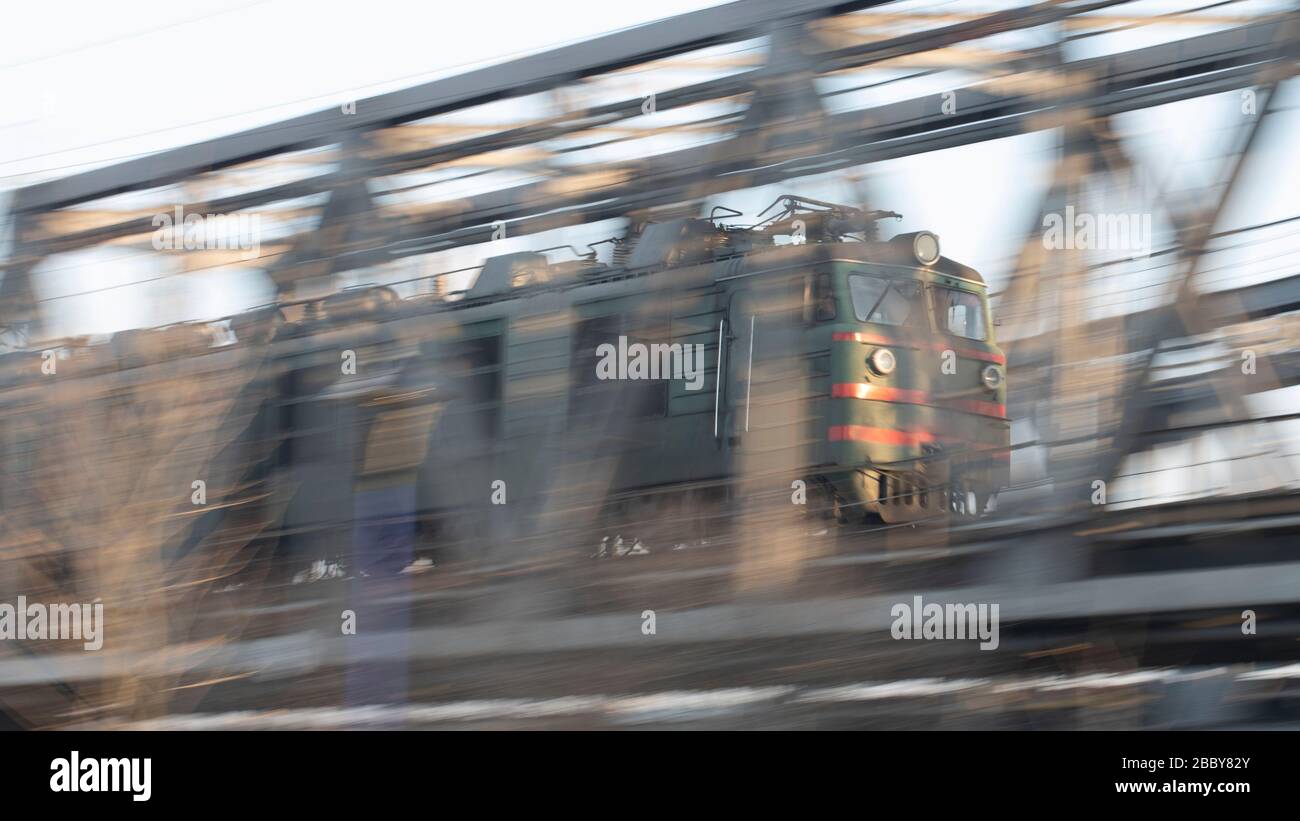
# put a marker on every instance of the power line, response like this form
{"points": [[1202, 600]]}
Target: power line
{"points": [[129, 36]]}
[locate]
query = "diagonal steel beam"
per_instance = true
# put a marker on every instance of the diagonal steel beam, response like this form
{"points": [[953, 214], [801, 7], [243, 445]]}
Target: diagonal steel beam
{"points": [[1190, 67], [1184, 311], [727, 23]]}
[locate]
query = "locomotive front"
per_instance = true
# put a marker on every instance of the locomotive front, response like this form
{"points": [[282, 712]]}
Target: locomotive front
{"points": [[918, 385]]}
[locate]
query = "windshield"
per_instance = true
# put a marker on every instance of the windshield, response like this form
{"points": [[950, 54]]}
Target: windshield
{"points": [[886, 301], [960, 313]]}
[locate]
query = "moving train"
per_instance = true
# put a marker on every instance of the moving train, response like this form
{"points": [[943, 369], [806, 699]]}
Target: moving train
{"points": [[865, 369], [800, 351]]}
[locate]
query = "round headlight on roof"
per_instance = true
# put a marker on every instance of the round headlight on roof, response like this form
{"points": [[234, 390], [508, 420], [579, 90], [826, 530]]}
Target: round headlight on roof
{"points": [[925, 246]]}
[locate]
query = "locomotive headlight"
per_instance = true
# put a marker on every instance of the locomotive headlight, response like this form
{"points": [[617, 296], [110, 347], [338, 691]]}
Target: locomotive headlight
{"points": [[882, 361], [925, 246], [991, 376]]}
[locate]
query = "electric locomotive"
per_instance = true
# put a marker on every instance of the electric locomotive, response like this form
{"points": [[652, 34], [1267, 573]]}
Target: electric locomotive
{"points": [[866, 369]]}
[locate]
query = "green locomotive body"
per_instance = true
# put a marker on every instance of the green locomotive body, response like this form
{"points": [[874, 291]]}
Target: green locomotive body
{"points": [[855, 366], [867, 370]]}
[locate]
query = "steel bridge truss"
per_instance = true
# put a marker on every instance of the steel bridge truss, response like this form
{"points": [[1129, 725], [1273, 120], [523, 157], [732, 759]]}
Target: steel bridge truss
{"points": [[355, 172]]}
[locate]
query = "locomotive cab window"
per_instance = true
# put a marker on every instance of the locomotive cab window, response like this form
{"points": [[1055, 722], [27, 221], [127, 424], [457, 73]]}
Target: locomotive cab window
{"points": [[882, 300], [960, 313], [819, 297]]}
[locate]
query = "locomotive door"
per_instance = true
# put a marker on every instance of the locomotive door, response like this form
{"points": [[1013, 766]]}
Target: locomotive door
{"points": [[766, 374]]}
